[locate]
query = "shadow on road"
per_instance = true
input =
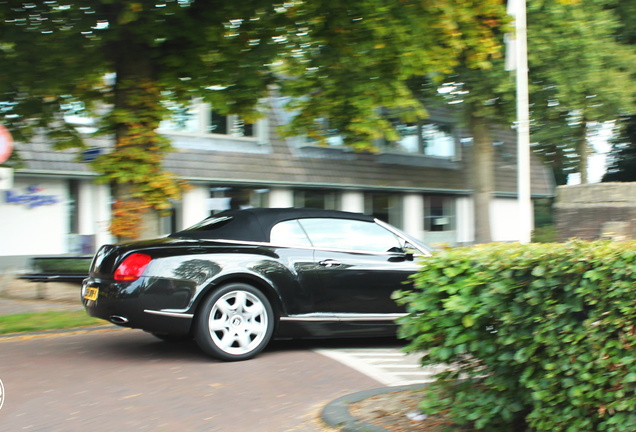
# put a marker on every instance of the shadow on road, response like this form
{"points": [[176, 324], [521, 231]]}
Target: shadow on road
{"points": [[134, 344], [340, 343]]}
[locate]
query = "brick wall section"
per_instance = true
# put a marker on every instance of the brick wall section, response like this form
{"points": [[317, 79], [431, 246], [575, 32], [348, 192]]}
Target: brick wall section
{"points": [[594, 211]]}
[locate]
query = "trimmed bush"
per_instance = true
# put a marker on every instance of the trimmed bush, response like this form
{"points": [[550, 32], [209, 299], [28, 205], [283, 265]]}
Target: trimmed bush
{"points": [[62, 265], [540, 337]]}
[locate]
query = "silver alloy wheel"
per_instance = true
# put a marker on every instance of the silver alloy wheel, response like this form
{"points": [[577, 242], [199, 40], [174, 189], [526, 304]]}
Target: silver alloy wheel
{"points": [[238, 322]]}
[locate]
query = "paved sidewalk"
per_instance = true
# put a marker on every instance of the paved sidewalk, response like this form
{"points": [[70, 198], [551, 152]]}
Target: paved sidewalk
{"points": [[19, 296]]}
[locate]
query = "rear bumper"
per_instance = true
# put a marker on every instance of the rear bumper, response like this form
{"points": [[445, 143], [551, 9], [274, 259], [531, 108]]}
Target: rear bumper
{"points": [[130, 305]]}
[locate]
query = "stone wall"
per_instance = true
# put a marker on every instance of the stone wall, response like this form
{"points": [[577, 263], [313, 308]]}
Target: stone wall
{"points": [[595, 211]]}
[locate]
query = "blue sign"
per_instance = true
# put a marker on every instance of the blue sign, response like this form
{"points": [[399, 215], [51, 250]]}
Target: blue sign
{"points": [[91, 154], [32, 198]]}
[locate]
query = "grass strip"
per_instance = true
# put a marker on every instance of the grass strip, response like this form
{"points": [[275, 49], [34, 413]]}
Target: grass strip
{"points": [[40, 321]]}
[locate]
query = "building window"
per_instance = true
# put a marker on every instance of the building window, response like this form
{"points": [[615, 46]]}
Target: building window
{"points": [[73, 206], [229, 125], [230, 197], [384, 206], [183, 119], [427, 138], [200, 119], [314, 198], [439, 213], [218, 123]]}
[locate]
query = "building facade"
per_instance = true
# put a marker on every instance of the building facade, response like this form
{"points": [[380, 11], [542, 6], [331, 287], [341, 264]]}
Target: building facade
{"points": [[420, 184]]}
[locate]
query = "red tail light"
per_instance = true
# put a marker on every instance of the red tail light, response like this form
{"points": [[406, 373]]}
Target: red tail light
{"points": [[132, 267]]}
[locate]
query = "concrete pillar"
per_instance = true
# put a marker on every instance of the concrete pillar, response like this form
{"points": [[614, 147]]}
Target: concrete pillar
{"points": [[465, 220], [94, 213], [194, 206], [281, 197], [353, 201], [87, 208], [413, 215], [102, 206]]}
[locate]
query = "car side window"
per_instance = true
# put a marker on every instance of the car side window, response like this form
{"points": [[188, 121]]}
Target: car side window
{"points": [[289, 233], [348, 234]]}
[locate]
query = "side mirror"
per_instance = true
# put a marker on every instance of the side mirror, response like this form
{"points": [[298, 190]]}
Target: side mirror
{"points": [[409, 251], [406, 253]]}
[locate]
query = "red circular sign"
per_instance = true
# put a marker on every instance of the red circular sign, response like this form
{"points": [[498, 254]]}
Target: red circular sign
{"points": [[6, 144]]}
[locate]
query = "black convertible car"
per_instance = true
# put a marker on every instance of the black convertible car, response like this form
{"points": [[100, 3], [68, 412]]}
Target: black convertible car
{"points": [[239, 278]]}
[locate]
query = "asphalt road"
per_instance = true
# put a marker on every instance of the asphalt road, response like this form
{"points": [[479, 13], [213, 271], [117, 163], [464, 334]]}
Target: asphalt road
{"points": [[127, 380]]}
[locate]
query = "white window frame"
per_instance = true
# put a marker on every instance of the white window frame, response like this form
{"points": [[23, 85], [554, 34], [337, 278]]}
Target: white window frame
{"points": [[202, 112], [419, 148], [449, 217]]}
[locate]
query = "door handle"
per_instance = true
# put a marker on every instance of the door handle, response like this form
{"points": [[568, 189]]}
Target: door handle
{"points": [[329, 263]]}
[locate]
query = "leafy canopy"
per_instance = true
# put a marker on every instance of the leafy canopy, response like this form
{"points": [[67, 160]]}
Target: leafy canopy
{"points": [[339, 60]]}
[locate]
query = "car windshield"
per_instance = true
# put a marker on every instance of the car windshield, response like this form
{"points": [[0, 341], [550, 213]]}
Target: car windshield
{"points": [[416, 244]]}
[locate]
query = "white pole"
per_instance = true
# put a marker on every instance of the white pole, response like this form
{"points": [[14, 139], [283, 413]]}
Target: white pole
{"points": [[523, 124]]}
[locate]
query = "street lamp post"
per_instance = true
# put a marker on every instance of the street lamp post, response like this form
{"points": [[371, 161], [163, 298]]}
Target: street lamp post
{"points": [[519, 55]]}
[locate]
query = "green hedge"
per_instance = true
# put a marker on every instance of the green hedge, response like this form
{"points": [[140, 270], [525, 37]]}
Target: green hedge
{"points": [[542, 337], [62, 265]]}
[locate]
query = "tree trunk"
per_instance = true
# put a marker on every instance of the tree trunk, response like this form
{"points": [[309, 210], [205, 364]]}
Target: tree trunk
{"points": [[135, 95], [483, 177]]}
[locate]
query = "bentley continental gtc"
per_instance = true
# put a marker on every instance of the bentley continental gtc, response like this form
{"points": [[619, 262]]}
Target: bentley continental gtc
{"points": [[242, 277]]}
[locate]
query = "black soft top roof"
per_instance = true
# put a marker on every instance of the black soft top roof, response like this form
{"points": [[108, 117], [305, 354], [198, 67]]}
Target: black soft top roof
{"points": [[255, 224]]}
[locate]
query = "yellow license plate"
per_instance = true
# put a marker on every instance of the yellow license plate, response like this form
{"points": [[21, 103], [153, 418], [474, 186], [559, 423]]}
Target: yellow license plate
{"points": [[91, 293]]}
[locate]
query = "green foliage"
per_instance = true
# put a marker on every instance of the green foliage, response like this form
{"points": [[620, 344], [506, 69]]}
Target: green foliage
{"points": [[349, 59], [75, 265], [114, 61], [544, 234], [621, 166], [539, 336], [581, 73], [46, 72], [342, 61]]}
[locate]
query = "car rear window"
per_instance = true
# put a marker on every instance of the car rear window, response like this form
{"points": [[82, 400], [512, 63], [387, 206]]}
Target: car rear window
{"points": [[210, 224], [238, 226]]}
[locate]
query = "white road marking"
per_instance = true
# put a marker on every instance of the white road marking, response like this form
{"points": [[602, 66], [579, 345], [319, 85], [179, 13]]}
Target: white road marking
{"points": [[389, 366]]}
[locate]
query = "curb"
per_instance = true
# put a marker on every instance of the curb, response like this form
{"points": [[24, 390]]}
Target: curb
{"points": [[336, 413], [53, 332]]}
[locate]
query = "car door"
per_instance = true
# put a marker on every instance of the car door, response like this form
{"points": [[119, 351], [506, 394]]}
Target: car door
{"points": [[360, 264], [297, 254]]}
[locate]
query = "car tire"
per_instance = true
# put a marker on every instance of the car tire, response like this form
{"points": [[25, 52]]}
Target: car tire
{"points": [[234, 323]]}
